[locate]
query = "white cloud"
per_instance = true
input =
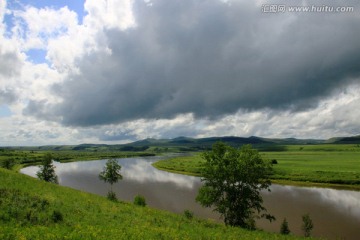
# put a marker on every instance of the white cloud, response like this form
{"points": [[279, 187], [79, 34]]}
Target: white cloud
{"points": [[109, 14], [33, 26]]}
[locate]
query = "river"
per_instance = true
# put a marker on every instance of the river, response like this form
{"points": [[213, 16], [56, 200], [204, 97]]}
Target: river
{"points": [[335, 213]]}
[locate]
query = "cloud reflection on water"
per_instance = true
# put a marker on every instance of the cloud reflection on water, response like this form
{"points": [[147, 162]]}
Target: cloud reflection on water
{"points": [[133, 169], [347, 202], [142, 171], [343, 201]]}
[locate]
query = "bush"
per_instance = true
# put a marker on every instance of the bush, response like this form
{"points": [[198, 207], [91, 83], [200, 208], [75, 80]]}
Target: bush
{"points": [[111, 196], [8, 163], [140, 200], [188, 214], [274, 161], [57, 216]]}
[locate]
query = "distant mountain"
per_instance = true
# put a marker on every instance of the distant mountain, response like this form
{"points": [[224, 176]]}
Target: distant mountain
{"points": [[345, 140], [185, 141], [259, 142], [293, 141], [194, 144]]}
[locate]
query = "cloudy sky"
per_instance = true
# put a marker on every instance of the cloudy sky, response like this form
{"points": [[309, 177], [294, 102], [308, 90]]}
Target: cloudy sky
{"points": [[114, 71]]}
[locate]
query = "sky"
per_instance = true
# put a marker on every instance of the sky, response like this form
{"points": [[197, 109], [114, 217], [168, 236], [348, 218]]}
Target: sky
{"points": [[117, 71]]}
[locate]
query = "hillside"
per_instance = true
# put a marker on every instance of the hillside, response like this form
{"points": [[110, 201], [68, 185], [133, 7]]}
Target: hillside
{"points": [[191, 144], [32, 209], [345, 140]]}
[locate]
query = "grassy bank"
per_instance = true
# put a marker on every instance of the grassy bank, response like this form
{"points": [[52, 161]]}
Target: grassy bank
{"points": [[328, 165], [31, 209]]}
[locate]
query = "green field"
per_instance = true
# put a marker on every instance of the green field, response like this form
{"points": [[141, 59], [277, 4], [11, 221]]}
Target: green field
{"points": [[32, 209], [329, 165]]}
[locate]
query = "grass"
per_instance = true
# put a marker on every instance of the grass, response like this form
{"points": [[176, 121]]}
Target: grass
{"points": [[32, 209], [327, 165], [189, 165]]}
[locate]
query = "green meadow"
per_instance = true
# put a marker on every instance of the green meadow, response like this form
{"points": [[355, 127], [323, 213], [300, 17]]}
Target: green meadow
{"points": [[328, 165], [32, 209]]}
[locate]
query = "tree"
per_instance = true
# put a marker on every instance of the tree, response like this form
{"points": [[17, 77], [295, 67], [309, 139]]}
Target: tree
{"points": [[111, 174], [284, 229], [233, 179], [47, 170], [307, 225]]}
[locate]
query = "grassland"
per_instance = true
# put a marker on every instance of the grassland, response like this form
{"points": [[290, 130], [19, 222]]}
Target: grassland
{"points": [[327, 165], [32, 209]]}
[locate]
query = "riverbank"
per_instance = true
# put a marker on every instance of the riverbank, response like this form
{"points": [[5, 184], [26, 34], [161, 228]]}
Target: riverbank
{"points": [[33, 209], [315, 168]]}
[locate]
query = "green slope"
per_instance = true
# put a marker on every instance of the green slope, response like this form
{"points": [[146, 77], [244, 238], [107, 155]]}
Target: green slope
{"points": [[31, 209]]}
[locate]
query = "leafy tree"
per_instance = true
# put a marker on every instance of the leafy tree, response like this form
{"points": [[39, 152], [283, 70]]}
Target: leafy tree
{"points": [[284, 229], [111, 174], [47, 170], [307, 225], [233, 179]]}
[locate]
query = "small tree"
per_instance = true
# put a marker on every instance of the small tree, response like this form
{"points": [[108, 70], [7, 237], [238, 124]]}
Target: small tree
{"points": [[307, 225], [284, 229], [47, 170], [233, 179], [111, 174]]}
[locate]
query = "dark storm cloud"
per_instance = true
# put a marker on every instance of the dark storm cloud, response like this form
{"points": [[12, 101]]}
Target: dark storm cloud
{"points": [[212, 58]]}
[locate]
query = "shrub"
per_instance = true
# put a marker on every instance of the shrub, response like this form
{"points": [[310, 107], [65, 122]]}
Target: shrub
{"points": [[8, 163], [57, 216], [188, 214], [274, 161], [140, 200], [111, 196]]}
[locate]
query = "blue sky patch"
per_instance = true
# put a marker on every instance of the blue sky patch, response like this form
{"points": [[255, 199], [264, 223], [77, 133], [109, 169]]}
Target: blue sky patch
{"points": [[76, 6], [5, 111], [37, 56]]}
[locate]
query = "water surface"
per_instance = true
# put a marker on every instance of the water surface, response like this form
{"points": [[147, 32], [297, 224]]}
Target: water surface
{"points": [[335, 213]]}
